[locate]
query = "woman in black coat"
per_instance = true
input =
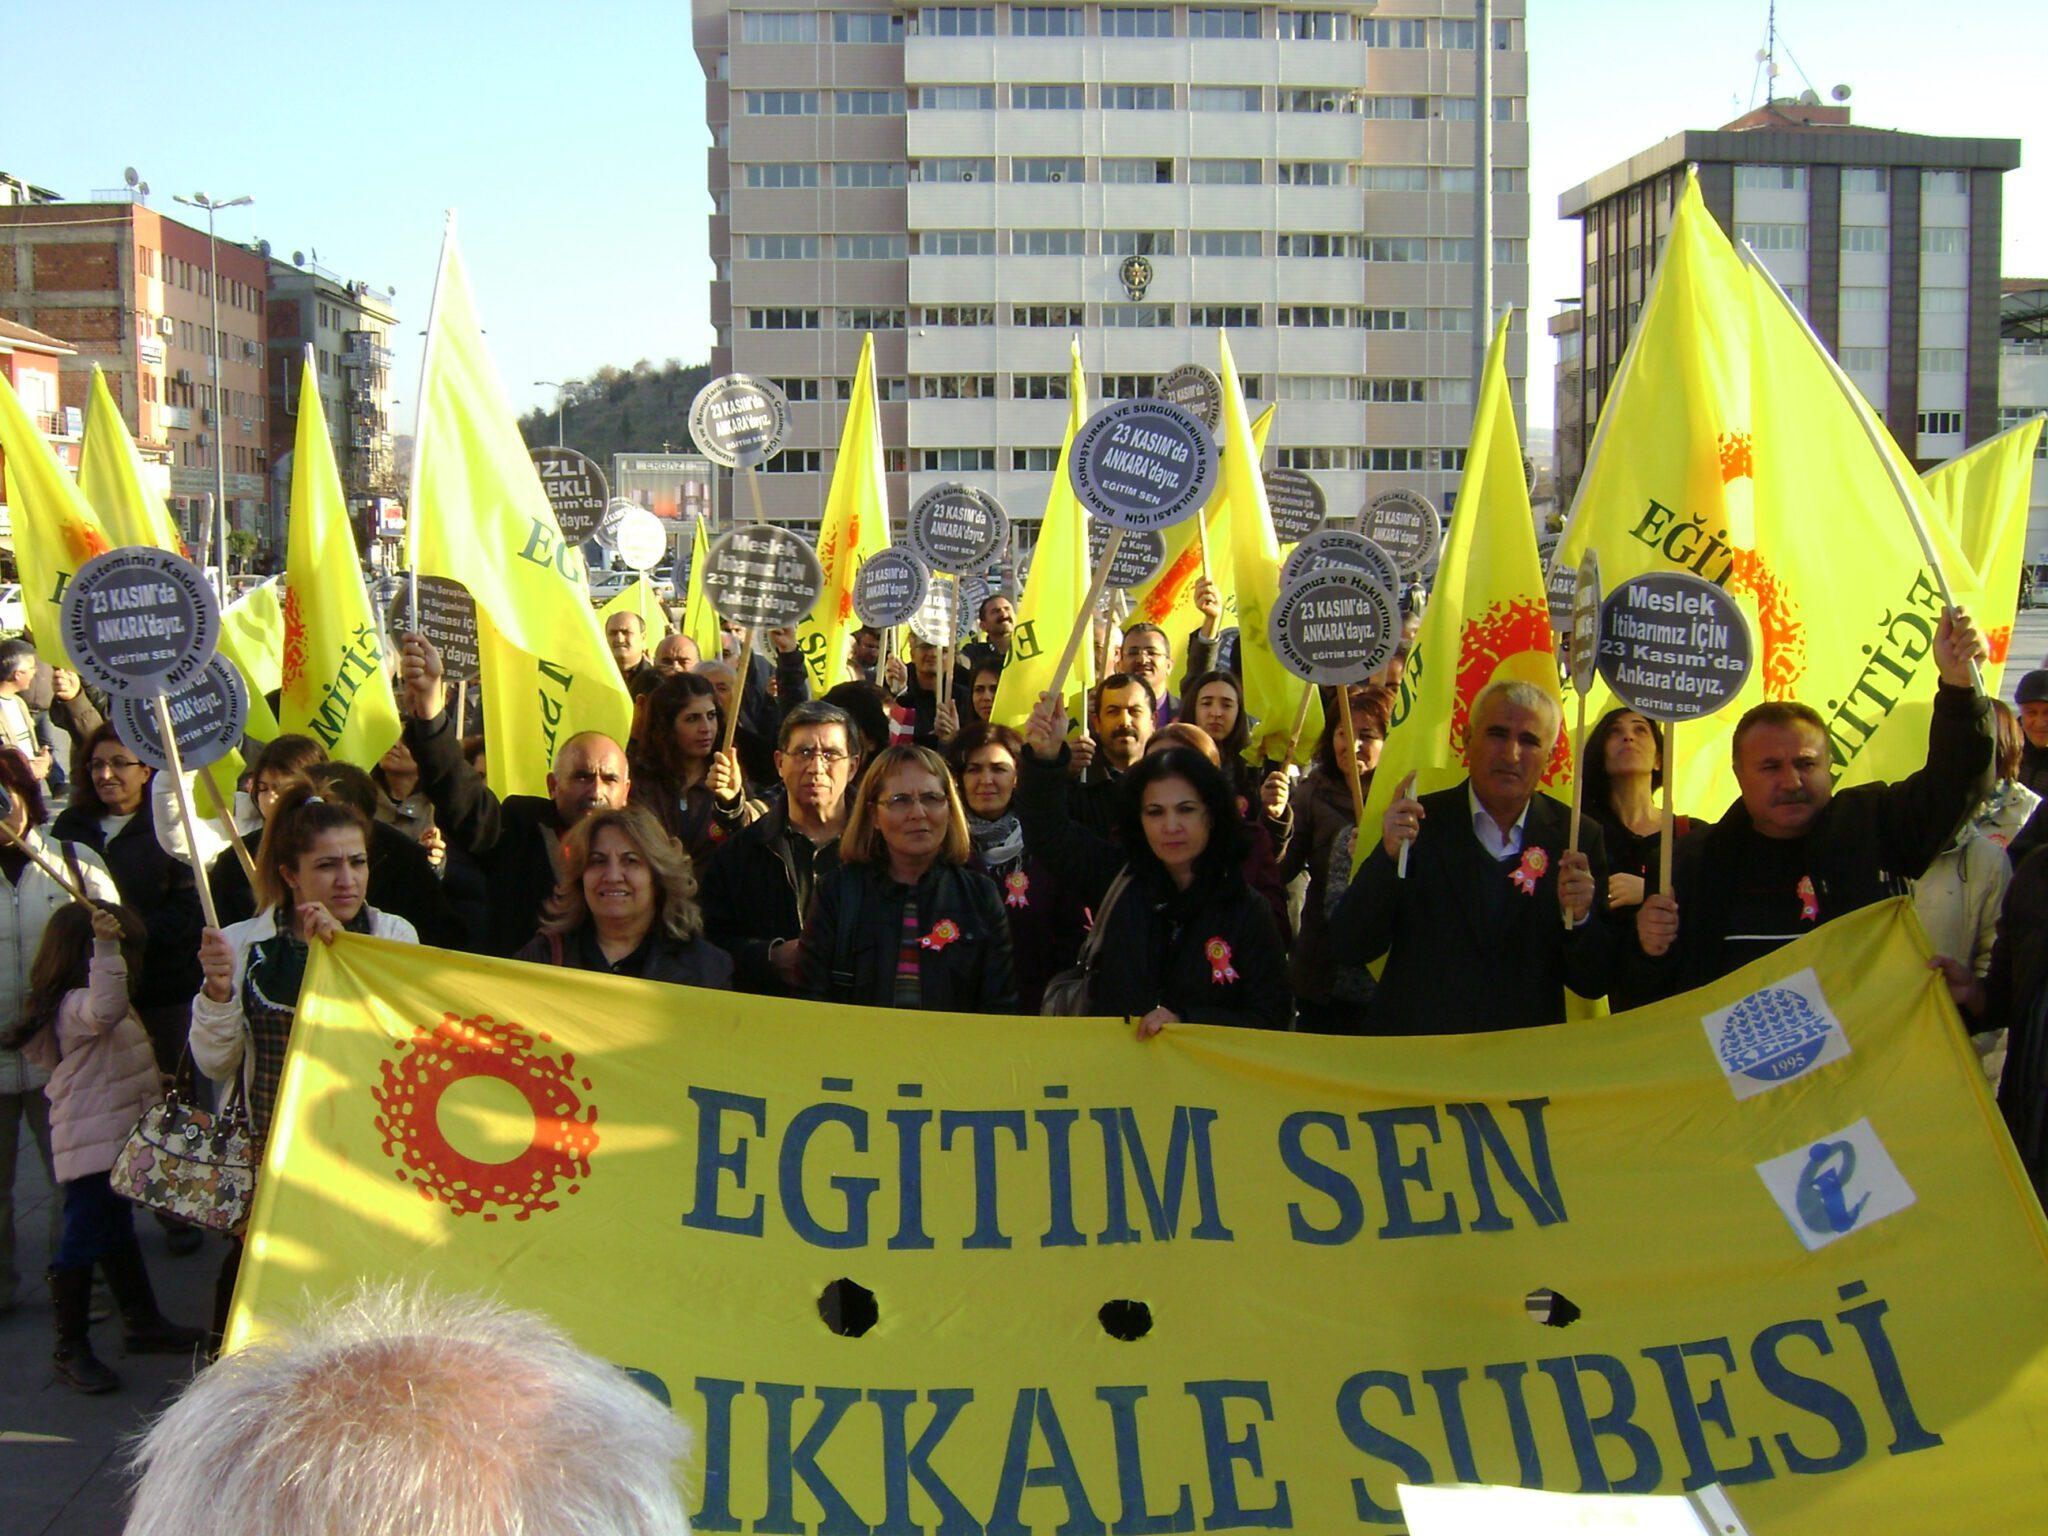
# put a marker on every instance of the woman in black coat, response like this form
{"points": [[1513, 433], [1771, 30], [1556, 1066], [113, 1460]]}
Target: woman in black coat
{"points": [[902, 921]]}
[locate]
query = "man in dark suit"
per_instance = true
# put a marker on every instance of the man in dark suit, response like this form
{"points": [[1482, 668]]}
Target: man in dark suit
{"points": [[1494, 919]]}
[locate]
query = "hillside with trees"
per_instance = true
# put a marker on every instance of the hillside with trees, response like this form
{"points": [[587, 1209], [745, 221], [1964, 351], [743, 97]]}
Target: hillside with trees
{"points": [[641, 409]]}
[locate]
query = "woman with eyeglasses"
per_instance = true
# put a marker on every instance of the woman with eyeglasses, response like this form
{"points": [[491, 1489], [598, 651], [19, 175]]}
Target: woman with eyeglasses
{"points": [[903, 921]]}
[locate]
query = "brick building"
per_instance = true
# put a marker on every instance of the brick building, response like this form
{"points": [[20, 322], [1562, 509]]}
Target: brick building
{"points": [[31, 363]]}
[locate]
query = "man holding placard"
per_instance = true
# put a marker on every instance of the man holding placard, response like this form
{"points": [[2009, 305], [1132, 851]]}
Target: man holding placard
{"points": [[1471, 934], [1791, 854]]}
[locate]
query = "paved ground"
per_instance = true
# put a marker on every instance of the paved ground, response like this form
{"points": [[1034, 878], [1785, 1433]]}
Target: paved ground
{"points": [[60, 1452]]}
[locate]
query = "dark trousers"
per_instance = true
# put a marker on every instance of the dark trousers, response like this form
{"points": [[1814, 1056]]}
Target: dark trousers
{"points": [[97, 1222]]}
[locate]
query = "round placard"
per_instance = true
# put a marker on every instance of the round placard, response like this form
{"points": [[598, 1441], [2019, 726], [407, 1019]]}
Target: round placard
{"points": [[448, 623], [762, 577], [1297, 503], [576, 489], [1142, 464], [1138, 556], [958, 529], [1195, 390], [209, 717], [1406, 526], [140, 621], [888, 588], [1584, 645], [1336, 627], [640, 539], [1673, 647], [1559, 583], [1340, 549], [969, 593], [738, 420], [937, 619]]}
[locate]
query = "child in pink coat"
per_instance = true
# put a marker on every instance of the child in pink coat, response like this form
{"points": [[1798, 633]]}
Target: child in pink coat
{"points": [[103, 1077]]}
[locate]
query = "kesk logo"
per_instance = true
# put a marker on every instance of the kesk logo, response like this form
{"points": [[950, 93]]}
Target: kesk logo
{"points": [[1835, 1184], [1776, 1034], [416, 1081]]}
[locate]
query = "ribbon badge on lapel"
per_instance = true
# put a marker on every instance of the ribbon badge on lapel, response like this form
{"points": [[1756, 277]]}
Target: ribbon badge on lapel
{"points": [[1809, 904], [1534, 862], [1220, 968], [944, 932], [1017, 888]]}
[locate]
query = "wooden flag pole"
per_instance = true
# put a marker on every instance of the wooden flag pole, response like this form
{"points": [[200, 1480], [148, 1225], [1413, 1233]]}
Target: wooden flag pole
{"points": [[745, 665], [1578, 775], [60, 875], [753, 479], [1096, 587], [1670, 832], [1202, 535], [1349, 732], [183, 791], [1308, 692], [220, 813], [942, 678], [461, 708]]}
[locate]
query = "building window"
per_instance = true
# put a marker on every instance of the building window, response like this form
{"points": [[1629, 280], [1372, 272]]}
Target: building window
{"points": [[1224, 242], [1943, 301], [1406, 178], [1461, 35], [1211, 22], [1225, 317], [1046, 242], [1312, 317], [1039, 316], [1137, 242], [956, 242], [1046, 21], [1459, 391], [1034, 460], [1389, 319], [1134, 21], [778, 26], [1944, 183], [870, 319], [866, 27], [1224, 173], [956, 386], [782, 247], [1140, 173], [959, 461], [1865, 299], [781, 103], [1382, 33], [1865, 359], [888, 390], [796, 390], [1393, 391], [1943, 240], [1867, 239], [1301, 457], [956, 170], [1453, 320], [1045, 168], [1317, 173], [867, 103], [1394, 460], [1317, 98], [958, 314], [1398, 248], [1314, 26], [1319, 245], [1128, 386], [1224, 98], [1315, 386], [956, 98], [1513, 251], [1046, 98], [1137, 317], [1772, 178], [1866, 178], [1137, 98], [793, 461], [2010, 416], [868, 173], [871, 247], [1040, 386], [1772, 237], [1937, 423], [957, 21], [1941, 359]]}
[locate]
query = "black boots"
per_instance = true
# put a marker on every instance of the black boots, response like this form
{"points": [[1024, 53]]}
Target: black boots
{"points": [[77, 1365], [145, 1331]]}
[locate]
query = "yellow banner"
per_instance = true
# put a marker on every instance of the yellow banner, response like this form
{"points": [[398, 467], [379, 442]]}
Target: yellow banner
{"points": [[1804, 1254]]}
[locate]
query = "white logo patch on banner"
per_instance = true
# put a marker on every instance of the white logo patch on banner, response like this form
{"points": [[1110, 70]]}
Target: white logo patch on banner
{"points": [[1836, 1184], [1777, 1033]]}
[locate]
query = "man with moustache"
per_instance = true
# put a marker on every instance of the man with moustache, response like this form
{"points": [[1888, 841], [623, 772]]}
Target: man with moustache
{"points": [[1791, 853], [998, 623], [1124, 712]]}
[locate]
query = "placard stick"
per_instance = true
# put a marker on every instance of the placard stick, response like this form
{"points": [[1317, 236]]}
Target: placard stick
{"points": [[1202, 534], [185, 813], [745, 665], [1670, 832], [461, 708], [55, 872], [1308, 692], [1096, 586], [220, 814], [1578, 780], [753, 479], [942, 678], [1349, 731]]}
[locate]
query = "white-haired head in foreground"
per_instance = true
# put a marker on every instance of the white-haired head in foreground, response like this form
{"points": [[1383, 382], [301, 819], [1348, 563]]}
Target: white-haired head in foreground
{"points": [[399, 1413]]}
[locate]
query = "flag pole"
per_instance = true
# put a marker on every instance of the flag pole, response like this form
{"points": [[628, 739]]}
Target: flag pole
{"points": [[183, 793], [221, 814], [1668, 834], [1100, 581], [419, 435]]}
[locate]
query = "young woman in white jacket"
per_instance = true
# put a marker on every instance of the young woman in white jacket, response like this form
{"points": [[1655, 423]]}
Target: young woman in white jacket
{"points": [[312, 870]]}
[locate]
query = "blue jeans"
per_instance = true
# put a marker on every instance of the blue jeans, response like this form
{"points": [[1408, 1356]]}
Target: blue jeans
{"points": [[97, 1222]]}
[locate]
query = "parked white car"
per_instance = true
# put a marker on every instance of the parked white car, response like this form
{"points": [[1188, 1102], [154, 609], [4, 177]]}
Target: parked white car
{"points": [[13, 613]]}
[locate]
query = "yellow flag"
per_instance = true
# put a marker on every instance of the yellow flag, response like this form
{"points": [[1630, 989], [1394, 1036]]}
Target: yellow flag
{"points": [[335, 687], [110, 473], [700, 619], [55, 531], [1982, 496], [1272, 694], [1487, 615], [855, 524], [252, 637], [638, 597], [480, 517], [1055, 588]]}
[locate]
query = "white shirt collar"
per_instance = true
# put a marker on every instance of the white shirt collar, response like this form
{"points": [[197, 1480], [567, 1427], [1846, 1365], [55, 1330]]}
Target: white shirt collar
{"points": [[1487, 830]]}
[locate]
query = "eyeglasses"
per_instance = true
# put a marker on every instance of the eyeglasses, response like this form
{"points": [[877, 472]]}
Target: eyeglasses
{"points": [[114, 765], [931, 800], [831, 757]]}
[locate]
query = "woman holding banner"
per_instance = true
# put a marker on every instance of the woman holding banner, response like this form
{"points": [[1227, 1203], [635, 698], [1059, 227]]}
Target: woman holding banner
{"points": [[903, 921], [312, 876], [1624, 768], [1330, 993], [627, 904], [691, 788]]}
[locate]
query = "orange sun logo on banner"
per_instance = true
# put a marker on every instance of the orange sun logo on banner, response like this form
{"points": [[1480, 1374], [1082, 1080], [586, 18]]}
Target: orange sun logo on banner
{"points": [[292, 663], [1504, 630], [414, 1084]]}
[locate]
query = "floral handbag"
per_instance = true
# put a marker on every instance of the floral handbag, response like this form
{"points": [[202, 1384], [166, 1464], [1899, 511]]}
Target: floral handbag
{"points": [[195, 1164]]}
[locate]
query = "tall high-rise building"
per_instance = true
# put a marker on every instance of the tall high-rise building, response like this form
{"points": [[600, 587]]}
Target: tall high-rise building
{"points": [[978, 183], [1888, 241]]}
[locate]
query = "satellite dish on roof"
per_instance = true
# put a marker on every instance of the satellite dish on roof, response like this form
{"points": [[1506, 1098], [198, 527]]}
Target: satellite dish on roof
{"points": [[1809, 98], [143, 189], [298, 258], [263, 247], [1841, 93], [130, 177]]}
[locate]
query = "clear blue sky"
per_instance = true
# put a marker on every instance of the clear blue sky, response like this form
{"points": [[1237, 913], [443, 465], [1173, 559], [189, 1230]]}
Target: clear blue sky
{"points": [[571, 137]]}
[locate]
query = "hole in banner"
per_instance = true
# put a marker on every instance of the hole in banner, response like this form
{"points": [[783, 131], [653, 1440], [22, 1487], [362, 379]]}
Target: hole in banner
{"points": [[1126, 1320], [848, 1308], [1551, 1309]]}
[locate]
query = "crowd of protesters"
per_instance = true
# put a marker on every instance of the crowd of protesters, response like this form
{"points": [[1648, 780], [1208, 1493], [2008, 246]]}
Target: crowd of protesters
{"points": [[889, 845]]}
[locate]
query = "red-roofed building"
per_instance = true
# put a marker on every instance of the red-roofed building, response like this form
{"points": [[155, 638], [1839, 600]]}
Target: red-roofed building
{"points": [[32, 364]]}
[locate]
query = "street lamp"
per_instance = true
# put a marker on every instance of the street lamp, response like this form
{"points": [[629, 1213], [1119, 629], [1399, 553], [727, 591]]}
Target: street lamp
{"points": [[220, 415], [561, 388]]}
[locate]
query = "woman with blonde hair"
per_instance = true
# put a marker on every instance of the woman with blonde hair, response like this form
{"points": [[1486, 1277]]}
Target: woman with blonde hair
{"points": [[627, 906], [904, 921]]}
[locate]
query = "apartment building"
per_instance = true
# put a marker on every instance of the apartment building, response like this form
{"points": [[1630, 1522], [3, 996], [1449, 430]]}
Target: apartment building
{"points": [[1888, 241], [978, 183]]}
